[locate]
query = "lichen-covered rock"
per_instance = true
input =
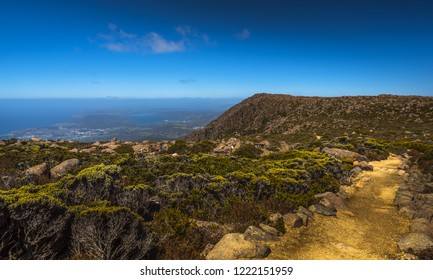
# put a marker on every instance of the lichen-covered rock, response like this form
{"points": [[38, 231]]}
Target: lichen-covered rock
{"points": [[234, 246], [64, 167], [38, 170]]}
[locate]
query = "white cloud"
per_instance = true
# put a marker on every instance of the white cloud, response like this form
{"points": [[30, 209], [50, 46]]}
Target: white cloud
{"points": [[119, 40], [160, 45], [243, 35]]}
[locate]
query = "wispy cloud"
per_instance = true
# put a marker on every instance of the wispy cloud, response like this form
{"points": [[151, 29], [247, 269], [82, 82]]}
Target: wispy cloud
{"points": [[119, 40], [187, 81], [243, 35]]}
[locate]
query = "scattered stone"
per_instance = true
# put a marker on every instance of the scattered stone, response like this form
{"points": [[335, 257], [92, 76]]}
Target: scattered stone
{"points": [[365, 166], [293, 220], [270, 230], [320, 209], [274, 219], [74, 150], [401, 172], [64, 167], [96, 144], [420, 225], [235, 246], [38, 170], [414, 243], [36, 139], [2, 143]]}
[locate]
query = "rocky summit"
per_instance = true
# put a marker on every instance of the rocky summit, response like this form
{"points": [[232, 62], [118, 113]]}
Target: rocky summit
{"points": [[297, 117]]}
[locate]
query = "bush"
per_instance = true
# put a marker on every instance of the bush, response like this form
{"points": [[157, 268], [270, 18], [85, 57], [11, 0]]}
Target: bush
{"points": [[248, 151]]}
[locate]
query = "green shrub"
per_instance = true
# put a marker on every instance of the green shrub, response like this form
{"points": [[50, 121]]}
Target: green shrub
{"points": [[248, 151]]}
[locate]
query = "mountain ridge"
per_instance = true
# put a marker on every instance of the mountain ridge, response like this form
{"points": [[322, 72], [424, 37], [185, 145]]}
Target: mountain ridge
{"points": [[296, 116]]}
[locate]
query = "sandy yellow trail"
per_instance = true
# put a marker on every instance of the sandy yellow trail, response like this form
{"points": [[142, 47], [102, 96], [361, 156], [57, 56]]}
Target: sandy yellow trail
{"points": [[371, 233]]}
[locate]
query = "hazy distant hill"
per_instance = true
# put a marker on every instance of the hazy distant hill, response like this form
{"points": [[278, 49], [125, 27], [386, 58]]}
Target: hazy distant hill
{"points": [[294, 117]]}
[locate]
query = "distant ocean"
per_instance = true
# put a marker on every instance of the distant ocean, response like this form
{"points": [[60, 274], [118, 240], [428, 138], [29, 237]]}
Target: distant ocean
{"points": [[29, 114]]}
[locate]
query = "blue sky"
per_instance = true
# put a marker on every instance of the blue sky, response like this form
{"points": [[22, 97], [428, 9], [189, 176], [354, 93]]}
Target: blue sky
{"points": [[192, 48]]}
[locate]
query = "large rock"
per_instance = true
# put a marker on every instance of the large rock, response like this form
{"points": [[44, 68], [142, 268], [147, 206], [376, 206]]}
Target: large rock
{"points": [[339, 153], [235, 246], [414, 243], [293, 220], [323, 210], [336, 201], [257, 234], [64, 167], [38, 170]]}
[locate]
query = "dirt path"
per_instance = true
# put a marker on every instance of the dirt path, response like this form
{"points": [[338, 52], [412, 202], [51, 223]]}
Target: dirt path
{"points": [[371, 233]]}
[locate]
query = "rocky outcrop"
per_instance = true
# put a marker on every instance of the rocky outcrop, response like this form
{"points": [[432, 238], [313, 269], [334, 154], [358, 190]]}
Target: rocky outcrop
{"points": [[234, 246], [63, 168]]}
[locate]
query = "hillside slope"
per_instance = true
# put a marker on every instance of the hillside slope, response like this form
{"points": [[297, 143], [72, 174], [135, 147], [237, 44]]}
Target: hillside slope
{"points": [[294, 117]]}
